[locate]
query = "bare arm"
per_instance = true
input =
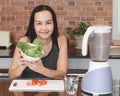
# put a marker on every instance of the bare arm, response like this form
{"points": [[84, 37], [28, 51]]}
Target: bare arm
{"points": [[16, 69]]}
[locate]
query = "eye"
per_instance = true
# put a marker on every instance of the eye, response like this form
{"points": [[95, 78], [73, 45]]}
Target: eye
{"points": [[38, 23], [49, 22]]}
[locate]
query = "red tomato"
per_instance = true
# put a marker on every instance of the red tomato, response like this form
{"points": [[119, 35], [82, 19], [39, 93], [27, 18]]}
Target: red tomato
{"points": [[39, 83], [43, 82], [35, 82]]}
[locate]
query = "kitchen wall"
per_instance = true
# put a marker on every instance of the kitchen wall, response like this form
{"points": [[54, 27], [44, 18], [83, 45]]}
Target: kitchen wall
{"points": [[14, 14]]}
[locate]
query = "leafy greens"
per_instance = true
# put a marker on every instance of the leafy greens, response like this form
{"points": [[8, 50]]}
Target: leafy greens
{"points": [[32, 49]]}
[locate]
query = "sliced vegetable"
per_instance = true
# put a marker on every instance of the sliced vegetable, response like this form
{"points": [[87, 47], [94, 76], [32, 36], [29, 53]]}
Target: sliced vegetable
{"points": [[35, 82]]}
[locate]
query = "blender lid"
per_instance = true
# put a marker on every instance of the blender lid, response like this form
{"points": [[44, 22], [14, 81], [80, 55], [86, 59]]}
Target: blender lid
{"points": [[102, 29]]}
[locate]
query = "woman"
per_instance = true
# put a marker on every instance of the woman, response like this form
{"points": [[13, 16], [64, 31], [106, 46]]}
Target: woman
{"points": [[53, 65]]}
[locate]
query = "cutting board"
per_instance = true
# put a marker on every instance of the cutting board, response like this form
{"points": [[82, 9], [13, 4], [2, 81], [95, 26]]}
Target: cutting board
{"points": [[51, 86]]}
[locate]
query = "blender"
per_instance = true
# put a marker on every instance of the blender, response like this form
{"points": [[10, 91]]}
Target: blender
{"points": [[98, 79]]}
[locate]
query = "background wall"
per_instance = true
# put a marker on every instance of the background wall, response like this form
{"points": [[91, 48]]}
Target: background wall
{"points": [[14, 14]]}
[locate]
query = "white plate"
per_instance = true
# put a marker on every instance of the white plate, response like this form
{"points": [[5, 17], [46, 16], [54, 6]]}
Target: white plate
{"points": [[51, 86]]}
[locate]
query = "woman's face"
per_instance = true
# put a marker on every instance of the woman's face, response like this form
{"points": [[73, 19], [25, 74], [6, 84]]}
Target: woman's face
{"points": [[43, 24]]}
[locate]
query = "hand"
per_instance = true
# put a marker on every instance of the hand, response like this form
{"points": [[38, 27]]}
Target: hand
{"points": [[36, 65], [22, 61], [33, 65]]}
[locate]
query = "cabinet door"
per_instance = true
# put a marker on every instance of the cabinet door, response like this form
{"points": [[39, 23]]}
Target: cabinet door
{"points": [[5, 63]]}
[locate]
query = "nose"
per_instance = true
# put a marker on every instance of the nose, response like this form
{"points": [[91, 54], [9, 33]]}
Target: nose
{"points": [[43, 27]]}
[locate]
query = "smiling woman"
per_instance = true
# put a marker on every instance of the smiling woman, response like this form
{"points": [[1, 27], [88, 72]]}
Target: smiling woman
{"points": [[53, 64]]}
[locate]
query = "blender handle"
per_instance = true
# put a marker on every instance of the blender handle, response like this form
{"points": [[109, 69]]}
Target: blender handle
{"points": [[85, 40]]}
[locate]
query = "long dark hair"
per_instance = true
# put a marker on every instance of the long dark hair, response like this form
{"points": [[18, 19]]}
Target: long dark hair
{"points": [[31, 34]]}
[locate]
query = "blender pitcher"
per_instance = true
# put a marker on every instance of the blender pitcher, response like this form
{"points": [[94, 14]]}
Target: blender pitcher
{"points": [[98, 78], [99, 43], [99, 39]]}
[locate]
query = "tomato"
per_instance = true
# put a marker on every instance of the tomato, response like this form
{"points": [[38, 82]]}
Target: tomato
{"points": [[43, 82], [28, 83], [35, 82], [39, 83]]}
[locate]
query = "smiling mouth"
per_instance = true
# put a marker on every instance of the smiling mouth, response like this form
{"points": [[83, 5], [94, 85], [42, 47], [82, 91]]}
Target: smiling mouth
{"points": [[45, 32]]}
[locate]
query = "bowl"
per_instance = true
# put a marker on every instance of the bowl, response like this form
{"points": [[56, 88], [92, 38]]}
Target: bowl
{"points": [[29, 58]]}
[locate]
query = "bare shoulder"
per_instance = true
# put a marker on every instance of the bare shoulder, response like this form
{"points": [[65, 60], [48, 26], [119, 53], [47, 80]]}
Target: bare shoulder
{"points": [[24, 39], [62, 40]]}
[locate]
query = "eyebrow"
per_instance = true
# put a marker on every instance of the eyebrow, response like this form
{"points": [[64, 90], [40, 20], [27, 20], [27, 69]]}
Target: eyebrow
{"points": [[47, 21]]}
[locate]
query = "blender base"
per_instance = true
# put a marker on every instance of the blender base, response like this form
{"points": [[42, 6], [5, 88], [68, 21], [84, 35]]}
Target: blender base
{"points": [[98, 79]]}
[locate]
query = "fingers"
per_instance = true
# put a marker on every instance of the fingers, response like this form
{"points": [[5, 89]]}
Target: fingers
{"points": [[32, 62], [35, 62], [20, 55]]}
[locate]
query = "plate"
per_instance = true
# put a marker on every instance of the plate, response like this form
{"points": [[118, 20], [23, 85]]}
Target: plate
{"points": [[51, 86]]}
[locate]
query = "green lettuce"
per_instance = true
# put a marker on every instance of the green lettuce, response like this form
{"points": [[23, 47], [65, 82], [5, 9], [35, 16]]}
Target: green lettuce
{"points": [[34, 50]]}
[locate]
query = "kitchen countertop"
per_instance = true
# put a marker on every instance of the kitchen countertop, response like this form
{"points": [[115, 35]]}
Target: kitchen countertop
{"points": [[72, 53], [5, 83]]}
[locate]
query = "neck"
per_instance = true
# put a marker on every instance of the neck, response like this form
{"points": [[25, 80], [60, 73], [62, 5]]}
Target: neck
{"points": [[46, 41]]}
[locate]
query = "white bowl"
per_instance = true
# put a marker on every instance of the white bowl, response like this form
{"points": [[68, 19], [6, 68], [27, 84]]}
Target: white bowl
{"points": [[28, 57]]}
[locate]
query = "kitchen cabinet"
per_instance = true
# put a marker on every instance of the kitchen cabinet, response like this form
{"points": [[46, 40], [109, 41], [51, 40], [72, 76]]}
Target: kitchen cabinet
{"points": [[5, 63]]}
